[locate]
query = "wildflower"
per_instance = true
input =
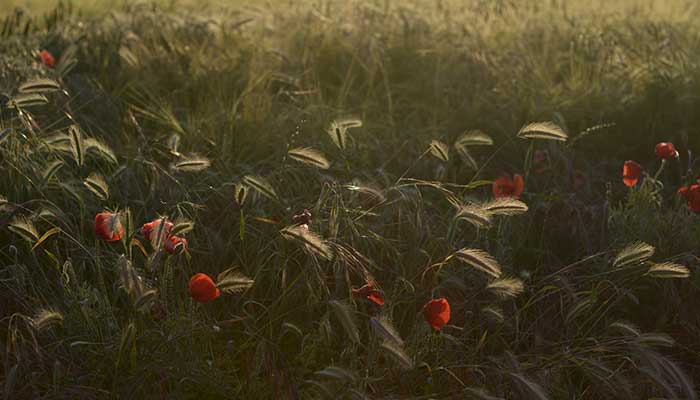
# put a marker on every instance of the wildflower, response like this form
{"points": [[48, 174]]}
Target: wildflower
{"points": [[507, 186], [203, 288], [437, 313], [371, 292], [47, 58], [631, 172], [175, 244], [108, 227], [666, 150], [149, 230], [692, 196]]}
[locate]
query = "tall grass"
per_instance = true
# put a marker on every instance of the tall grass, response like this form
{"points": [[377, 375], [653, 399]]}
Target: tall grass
{"points": [[388, 121]]}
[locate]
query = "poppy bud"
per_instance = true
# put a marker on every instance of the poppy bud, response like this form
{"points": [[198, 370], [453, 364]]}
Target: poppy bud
{"points": [[631, 172], [437, 313], [666, 150], [108, 227], [47, 59]]}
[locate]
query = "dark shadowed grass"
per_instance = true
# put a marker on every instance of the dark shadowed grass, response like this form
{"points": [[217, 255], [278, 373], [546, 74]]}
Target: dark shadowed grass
{"points": [[200, 117]]}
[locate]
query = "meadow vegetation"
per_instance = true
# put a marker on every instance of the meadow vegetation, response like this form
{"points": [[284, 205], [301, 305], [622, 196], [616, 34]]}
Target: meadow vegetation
{"points": [[470, 151]]}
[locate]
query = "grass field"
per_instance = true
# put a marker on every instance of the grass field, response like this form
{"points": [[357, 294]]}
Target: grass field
{"points": [[404, 128]]}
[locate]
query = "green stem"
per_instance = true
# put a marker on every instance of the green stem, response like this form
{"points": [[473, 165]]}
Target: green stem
{"points": [[661, 168]]}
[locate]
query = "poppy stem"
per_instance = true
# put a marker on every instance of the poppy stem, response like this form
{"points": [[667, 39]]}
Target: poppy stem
{"points": [[528, 158], [661, 168]]}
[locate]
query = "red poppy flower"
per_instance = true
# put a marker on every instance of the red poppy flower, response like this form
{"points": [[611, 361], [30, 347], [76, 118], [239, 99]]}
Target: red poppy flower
{"points": [[371, 292], [108, 227], [203, 288], [437, 313], [631, 173], [666, 150], [47, 58], [151, 229], [694, 198], [692, 195], [505, 186], [175, 244]]}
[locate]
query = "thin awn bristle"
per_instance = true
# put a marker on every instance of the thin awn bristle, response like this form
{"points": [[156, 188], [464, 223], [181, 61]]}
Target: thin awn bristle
{"points": [[506, 287], [311, 241], [474, 138], [97, 185], [479, 260], [475, 216], [440, 150], [634, 253], [261, 185], [343, 312], [668, 270], [543, 130], [505, 206], [309, 156], [386, 330]]}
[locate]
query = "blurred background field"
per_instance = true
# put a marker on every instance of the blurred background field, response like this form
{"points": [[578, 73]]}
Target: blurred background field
{"points": [[181, 104]]}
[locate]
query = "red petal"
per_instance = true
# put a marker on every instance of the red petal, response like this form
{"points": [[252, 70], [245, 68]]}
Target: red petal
{"points": [[631, 172], [202, 288], [377, 297], [108, 227], [437, 313], [502, 187], [665, 150]]}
